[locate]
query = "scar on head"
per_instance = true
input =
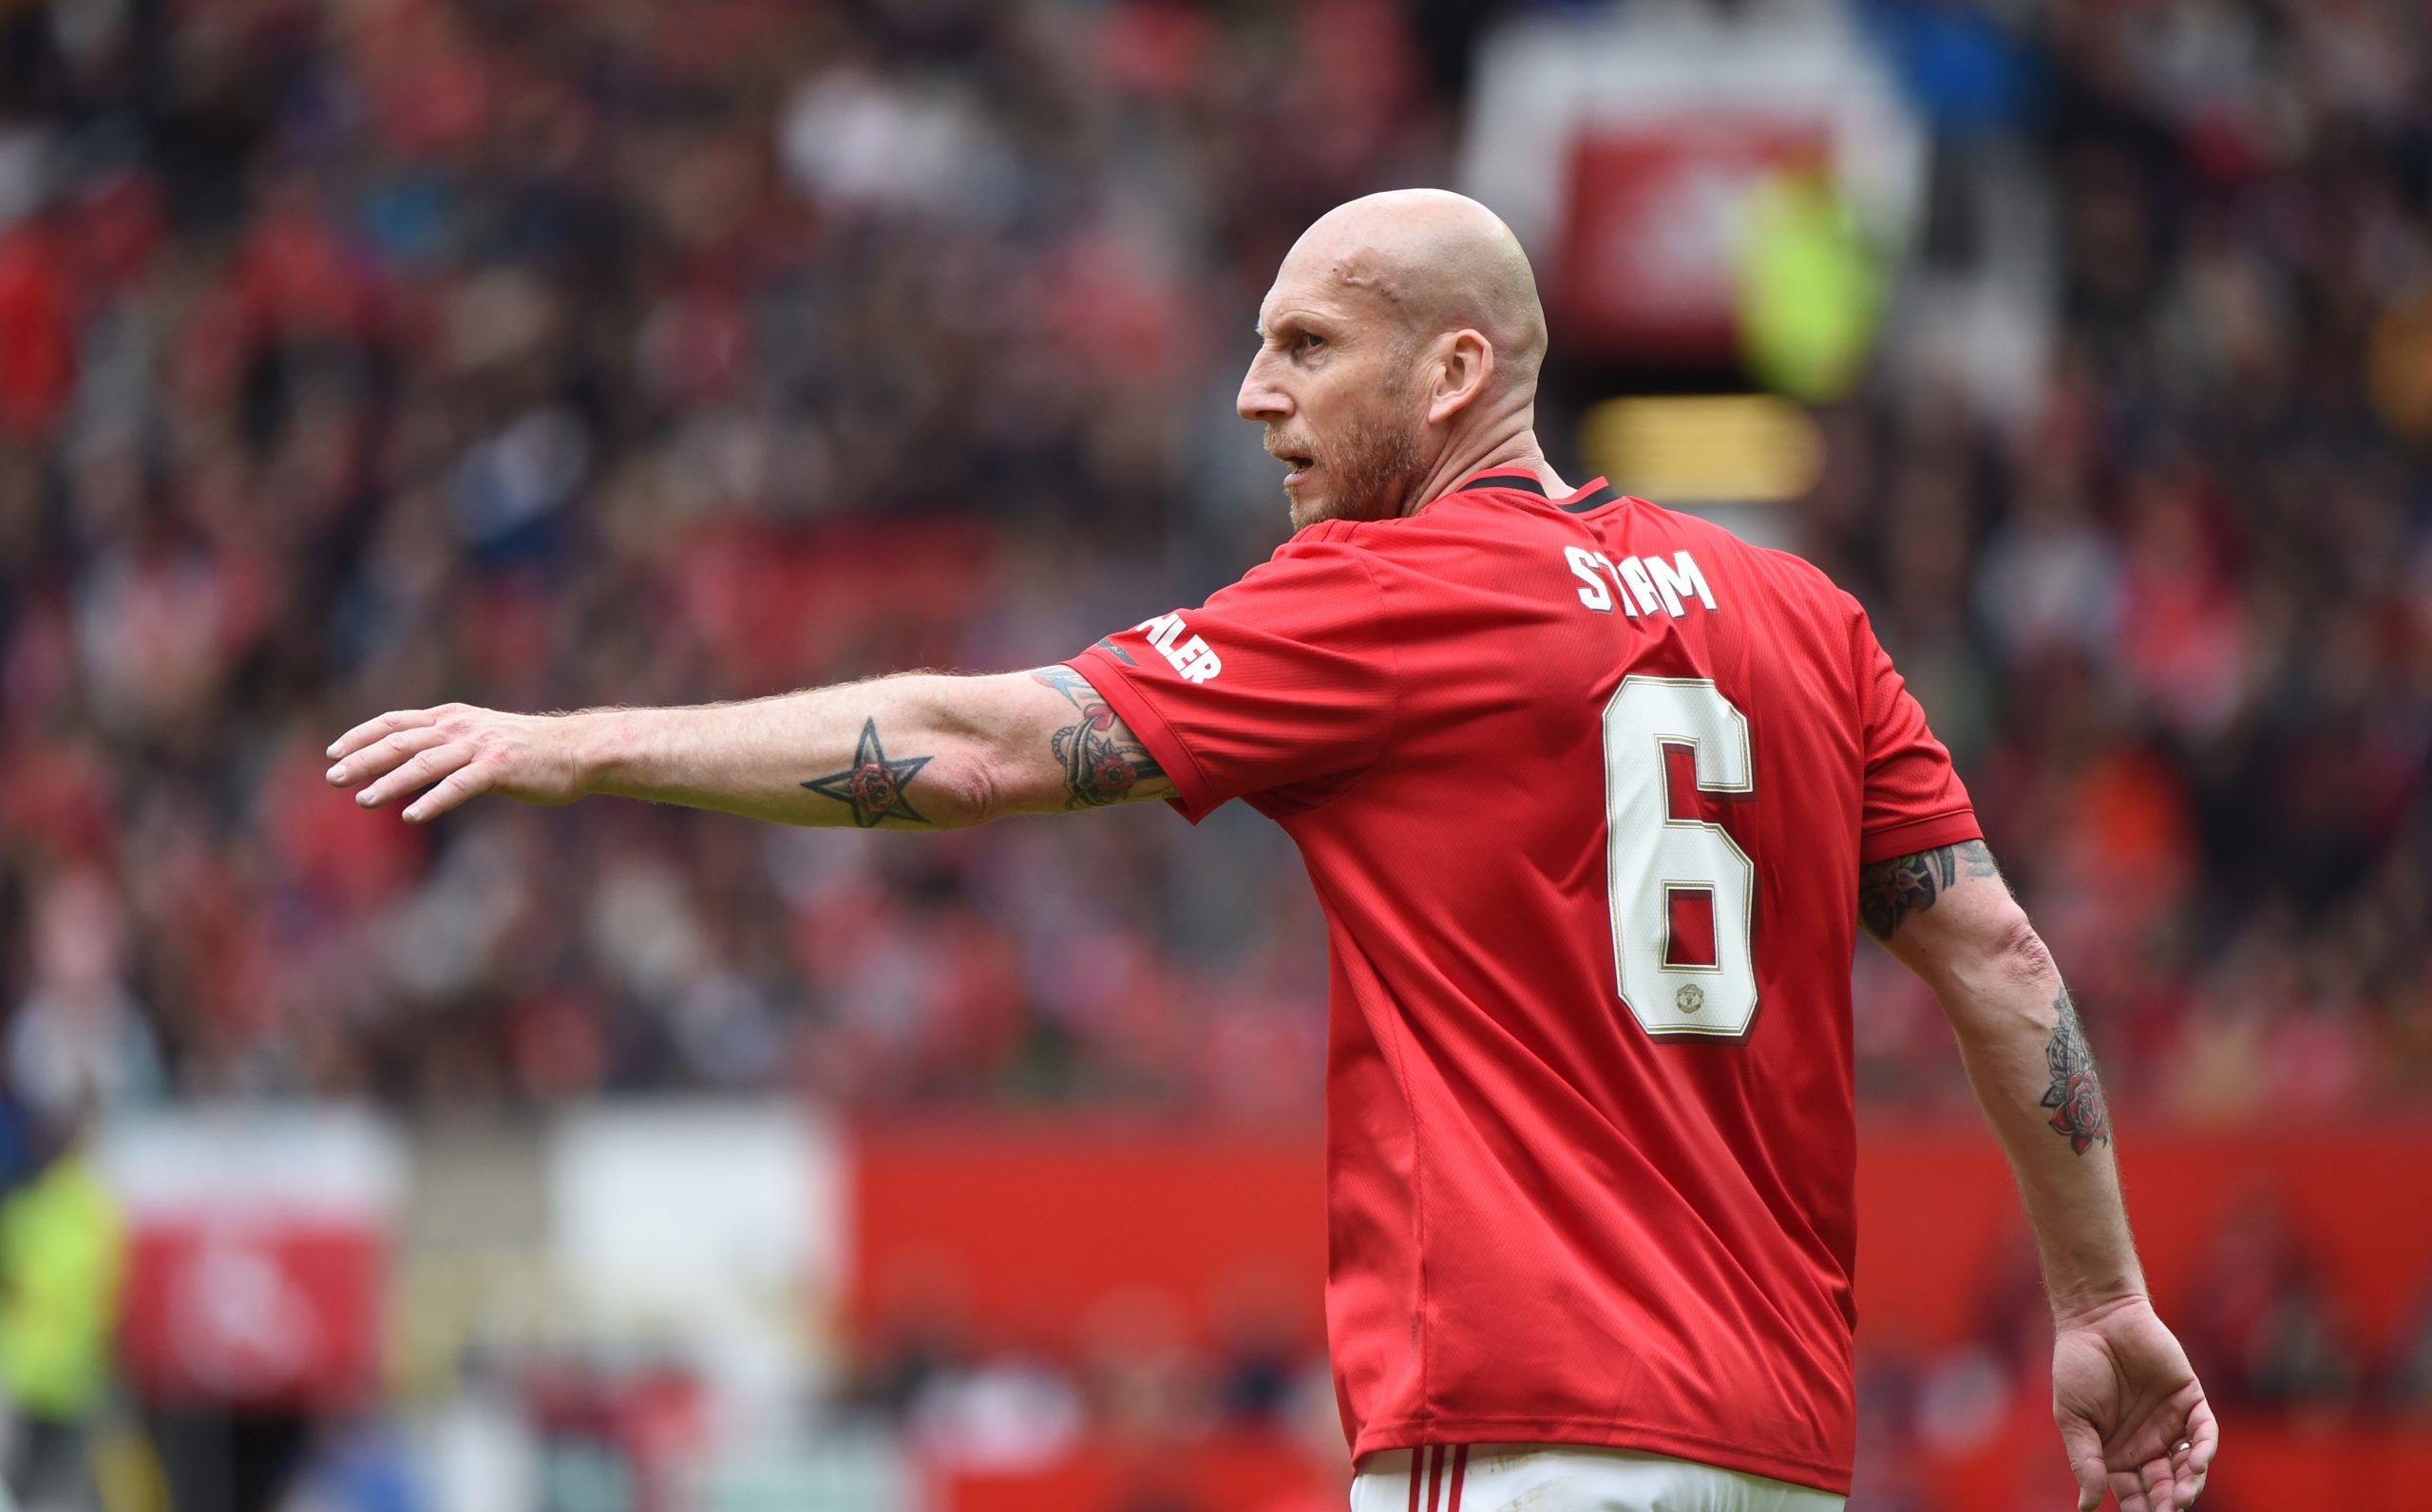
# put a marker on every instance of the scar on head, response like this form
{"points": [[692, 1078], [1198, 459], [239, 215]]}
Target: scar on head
{"points": [[1370, 273]]}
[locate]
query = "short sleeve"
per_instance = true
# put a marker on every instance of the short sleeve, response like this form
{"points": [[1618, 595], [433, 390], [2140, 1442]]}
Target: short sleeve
{"points": [[1915, 800], [1279, 688]]}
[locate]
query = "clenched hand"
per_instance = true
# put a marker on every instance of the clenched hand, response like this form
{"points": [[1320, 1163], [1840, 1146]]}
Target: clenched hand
{"points": [[463, 750]]}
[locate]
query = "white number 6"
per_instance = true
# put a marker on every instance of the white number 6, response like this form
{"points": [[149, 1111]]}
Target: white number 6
{"points": [[1651, 855]]}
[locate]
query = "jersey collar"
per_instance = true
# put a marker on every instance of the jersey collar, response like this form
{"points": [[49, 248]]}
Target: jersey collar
{"points": [[1594, 493]]}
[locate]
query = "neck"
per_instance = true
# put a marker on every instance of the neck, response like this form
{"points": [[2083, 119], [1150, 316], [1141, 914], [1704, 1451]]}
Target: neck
{"points": [[1512, 451]]}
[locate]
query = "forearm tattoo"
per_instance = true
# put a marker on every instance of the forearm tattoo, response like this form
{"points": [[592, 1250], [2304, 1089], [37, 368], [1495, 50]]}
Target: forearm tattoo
{"points": [[873, 786], [1890, 891], [2076, 1093], [1103, 762]]}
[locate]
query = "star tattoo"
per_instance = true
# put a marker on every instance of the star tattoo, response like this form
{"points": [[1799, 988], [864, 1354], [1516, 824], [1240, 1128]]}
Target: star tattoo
{"points": [[873, 786]]}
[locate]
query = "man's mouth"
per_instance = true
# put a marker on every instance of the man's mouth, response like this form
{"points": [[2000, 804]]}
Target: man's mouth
{"points": [[1299, 462]]}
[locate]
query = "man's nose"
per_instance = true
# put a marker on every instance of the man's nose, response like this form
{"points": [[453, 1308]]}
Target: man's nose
{"points": [[1261, 398]]}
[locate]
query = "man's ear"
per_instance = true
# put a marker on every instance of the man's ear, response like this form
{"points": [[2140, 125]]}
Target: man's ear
{"points": [[1463, 369]]}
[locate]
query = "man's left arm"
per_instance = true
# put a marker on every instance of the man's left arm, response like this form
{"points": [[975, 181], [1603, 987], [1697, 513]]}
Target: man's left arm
{"points": [[2131, 1414], [916, 751]]}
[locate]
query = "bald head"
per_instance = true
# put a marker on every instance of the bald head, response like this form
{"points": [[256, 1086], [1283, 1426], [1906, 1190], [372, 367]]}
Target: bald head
{"points": [[1397, 352], [1435, 262]]}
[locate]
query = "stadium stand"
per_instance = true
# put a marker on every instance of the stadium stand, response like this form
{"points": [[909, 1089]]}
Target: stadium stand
{"points": [[371, 355]]}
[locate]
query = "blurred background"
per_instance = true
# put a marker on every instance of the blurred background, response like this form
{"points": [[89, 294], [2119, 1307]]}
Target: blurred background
{"points": [[358, 354]]}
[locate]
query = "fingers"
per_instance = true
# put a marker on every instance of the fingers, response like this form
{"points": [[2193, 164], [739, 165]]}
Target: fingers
{"points": [[466, 781], [2167, 1483], [2084, 1447], [428, 766], [372, 729], [2203, 1435], [2090, 1482], [382, 755], [2202, 1438], [2161, 1481]]}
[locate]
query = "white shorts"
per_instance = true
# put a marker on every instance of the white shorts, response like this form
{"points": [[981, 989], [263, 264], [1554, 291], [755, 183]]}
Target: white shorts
{"points": [[1566, 1478]]}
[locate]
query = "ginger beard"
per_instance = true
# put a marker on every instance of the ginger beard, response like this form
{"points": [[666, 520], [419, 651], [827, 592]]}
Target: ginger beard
{"points": [[1368, 469]]}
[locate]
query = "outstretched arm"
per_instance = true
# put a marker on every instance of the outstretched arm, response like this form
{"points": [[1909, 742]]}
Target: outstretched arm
{"points": [[2131, 1412], [917, 751]]}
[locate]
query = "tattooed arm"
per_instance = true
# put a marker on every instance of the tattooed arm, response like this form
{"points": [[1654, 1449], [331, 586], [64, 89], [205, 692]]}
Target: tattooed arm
{"points": [[918, 751], [1947, 915], [2123, 1393]]}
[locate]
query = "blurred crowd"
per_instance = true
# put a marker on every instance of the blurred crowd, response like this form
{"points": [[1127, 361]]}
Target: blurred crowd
{"points": [[549, 354], [2176, 617], [371, 356]]}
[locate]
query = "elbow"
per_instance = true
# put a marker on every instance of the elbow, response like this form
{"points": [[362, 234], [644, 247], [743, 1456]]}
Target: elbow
{"points": [[2002, 986], [981, 785], [1996, 951], [2018, 955], [971, 791]]}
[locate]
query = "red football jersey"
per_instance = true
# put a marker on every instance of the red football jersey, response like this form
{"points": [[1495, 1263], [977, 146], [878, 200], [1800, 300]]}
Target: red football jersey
{"points": [[1583, 786]]}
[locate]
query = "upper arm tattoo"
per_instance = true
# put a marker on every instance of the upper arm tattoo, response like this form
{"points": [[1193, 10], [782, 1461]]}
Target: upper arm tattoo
{"points": [[1103, 762], [1890, 891], [2076, 1093], [873, 786]]}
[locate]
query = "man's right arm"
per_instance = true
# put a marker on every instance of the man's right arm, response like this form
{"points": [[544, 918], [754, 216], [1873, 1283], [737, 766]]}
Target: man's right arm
{"points": [[2124, 1395], [916, 751]]}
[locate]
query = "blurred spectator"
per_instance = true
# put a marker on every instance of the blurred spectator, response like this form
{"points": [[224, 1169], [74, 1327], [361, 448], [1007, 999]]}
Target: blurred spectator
{"points": [[1006, 1415], [1810, 290], [370, 358], [81, 1041], [61, 1257]]}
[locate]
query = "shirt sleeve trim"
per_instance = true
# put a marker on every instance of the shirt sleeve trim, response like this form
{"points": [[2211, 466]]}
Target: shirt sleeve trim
{"points": [[1912, 834], [1105, 674]]}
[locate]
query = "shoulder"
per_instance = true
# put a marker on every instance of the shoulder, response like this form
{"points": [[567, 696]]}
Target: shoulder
{"points": [[1324, 563], [1796, 595], [1373, 545], [1832, 612], [1329, 544], [1328, 540], [1467, 522], [1802, 576], [1368, 535], [1325, 533], [1786, 573]]}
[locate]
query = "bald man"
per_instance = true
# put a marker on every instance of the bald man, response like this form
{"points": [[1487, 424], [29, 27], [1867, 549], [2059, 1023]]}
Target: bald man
{"points": [[1594, 796]]}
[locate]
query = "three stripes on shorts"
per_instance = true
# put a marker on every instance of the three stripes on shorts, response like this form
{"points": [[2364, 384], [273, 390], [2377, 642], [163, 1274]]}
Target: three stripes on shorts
{"points": [[1431, 1462]]}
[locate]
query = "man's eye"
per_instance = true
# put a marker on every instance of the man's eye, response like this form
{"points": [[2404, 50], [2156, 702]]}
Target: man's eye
{"points": [[1311, 341]]}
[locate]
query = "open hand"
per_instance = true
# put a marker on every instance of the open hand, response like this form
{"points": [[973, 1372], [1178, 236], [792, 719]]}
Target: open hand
{"points": [[2131, 1414], [464, 750]]}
